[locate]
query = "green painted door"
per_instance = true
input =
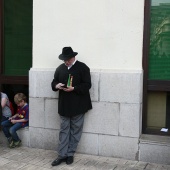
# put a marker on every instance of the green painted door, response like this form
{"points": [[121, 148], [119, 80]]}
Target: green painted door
{"points": [[17, 38]]}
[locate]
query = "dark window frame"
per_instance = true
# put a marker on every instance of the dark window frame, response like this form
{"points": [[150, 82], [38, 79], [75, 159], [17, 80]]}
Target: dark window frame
{"points": [[149, 85]]}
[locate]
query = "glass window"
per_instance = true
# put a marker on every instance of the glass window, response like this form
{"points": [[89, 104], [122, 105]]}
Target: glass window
{"points": [[157, 70], [159, 55], [156, 117]]}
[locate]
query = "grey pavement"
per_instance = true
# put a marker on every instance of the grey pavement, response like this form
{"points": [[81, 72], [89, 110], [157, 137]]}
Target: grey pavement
{"points": [[24, 158]]}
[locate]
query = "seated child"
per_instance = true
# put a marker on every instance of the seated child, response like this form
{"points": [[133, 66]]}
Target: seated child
{"points": [[18, 121]]}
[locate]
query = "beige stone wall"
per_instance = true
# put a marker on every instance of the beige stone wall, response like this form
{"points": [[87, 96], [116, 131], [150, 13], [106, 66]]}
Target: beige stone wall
{"points": [[111, 128], [107, 34]]}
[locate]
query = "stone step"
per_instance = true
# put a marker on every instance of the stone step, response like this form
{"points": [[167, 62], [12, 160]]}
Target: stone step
{"points": [[23, 135], [154, 148]]}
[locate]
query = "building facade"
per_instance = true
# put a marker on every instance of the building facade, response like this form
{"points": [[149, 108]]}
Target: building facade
{"points": [[111, 37]]}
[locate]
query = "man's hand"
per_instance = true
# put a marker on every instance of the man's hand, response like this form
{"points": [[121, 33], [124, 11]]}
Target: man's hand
{"points": [[68, 89], [59, 86]]}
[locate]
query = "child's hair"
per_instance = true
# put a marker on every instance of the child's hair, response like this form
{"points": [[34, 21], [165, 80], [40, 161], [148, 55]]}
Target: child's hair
{"points": [[19, 97]]}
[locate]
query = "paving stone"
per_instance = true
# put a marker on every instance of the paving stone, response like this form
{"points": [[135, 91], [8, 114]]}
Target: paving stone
{"points": [[8, 155], [120, 167], [91, 163], [122, 161], [2, 152], [4, 161], [131, 169], [109, 166], [141, 165], [113, 160], [104, 165], [132, 163], [36, 160], [14, 165], [151, 166], [29, 158], [24, 158], [44, 162], [18, 156], [33, 167], [162, 167]]}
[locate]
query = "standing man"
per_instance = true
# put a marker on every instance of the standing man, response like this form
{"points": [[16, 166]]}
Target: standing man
{"points": [[73, 80]]}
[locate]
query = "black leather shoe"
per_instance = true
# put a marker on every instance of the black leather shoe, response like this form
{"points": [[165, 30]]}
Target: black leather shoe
{"points": [[69, 160], [58, 161]]}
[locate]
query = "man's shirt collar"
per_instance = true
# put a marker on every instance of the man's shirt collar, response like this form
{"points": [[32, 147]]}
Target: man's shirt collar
{"points": [[72, 64]]}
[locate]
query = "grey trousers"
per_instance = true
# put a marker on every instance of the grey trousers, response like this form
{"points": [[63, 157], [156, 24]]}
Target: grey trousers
{"points": [[69, 135]]}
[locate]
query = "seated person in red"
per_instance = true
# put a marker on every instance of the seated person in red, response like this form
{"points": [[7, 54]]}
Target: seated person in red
{"points": [[18, 121]]}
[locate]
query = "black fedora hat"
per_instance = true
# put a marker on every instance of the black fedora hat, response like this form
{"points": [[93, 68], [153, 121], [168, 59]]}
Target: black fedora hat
{"points": [[67, 53]]}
